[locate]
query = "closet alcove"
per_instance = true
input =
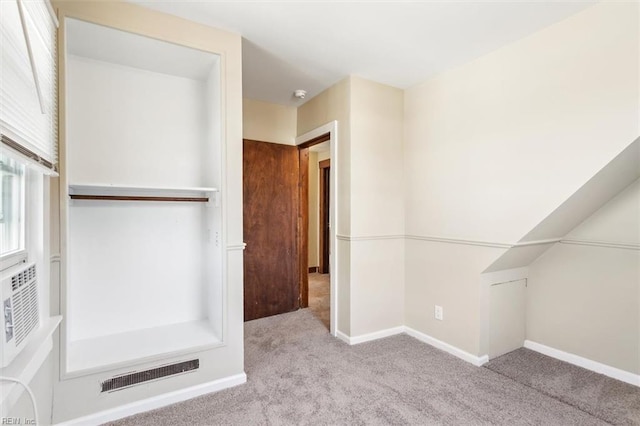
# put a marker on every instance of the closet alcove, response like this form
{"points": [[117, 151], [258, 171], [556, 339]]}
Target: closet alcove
{"points": [[141, 164]]}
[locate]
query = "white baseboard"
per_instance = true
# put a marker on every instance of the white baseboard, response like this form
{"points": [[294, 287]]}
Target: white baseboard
{"points": [[607, 370], [375, 335], [340, 335], [156, 402], [463, 355]]}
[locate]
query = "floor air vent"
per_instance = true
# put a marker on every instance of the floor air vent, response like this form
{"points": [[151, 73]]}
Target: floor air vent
{"points": [[130, 379]]}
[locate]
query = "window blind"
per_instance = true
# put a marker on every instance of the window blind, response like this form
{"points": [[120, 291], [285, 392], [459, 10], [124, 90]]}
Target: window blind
{"points": [[28, 79]]}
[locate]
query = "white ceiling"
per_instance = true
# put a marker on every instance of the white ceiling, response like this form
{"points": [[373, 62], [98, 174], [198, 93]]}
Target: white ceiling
{"points": [[311, 45]]}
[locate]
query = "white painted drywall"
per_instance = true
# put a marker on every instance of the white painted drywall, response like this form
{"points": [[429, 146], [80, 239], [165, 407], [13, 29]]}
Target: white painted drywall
{"points": [[371, 215], [447, 275], [123, 115], [493, 146], [377, 207], [42, 387], [267, 122], [618, 221], [377, 285], [377, 201], [585, 299], [141, 267], [136, 127]]}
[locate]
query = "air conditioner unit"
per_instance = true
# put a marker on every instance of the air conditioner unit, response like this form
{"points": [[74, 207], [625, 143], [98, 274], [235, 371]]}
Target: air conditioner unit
{"points": [[20, 317]]}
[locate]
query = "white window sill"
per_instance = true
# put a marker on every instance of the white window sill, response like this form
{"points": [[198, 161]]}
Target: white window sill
{"points": [[25, 366]]}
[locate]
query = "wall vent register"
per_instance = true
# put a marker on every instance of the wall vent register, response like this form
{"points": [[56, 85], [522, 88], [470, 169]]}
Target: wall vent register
{"points": [[130, 379]]}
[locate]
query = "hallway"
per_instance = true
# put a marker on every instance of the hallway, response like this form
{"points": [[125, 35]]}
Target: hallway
{"points": [[319, 303]]}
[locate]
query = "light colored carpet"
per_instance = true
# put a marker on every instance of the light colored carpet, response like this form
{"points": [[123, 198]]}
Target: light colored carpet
{"points": [[608, 399], [299, 374], [319, 303]]}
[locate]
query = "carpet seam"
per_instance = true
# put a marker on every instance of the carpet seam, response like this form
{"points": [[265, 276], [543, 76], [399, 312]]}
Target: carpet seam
{"points": [[550, 396]]}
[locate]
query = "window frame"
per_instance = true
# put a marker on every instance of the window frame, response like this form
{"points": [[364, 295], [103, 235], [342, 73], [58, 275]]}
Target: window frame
{"points": [[20, 255]]}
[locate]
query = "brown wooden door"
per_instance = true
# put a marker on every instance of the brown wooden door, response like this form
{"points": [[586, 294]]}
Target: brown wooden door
{"points": [[270, 190]]}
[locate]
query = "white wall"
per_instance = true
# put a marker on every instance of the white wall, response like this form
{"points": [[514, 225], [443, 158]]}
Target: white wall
{"points": [[122, 130], [377, 207], [371, 215], [494, 146], [267, 122], [109, 151], [585, 299], [42, 387], [618, 221], [129, 272]]}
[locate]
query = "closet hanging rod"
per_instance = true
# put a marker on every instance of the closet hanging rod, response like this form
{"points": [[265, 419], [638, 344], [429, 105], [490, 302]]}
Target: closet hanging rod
{"points": [[137, 198]]}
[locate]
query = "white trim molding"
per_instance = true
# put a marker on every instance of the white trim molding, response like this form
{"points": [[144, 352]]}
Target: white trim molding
{"points": [[478, 361], [424, 338], [157, 401], [537, 242], [607, 244], [355, 340], [240, 246], [342, 336], [467, 242], [607, 370], [370, 237], [503, 245]]}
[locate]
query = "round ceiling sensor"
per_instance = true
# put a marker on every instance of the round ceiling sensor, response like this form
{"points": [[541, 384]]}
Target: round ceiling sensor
{"points": [[300, 94]]}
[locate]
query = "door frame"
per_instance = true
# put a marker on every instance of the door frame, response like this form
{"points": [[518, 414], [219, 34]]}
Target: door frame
{"points": [[324, 225], [327, 132]]}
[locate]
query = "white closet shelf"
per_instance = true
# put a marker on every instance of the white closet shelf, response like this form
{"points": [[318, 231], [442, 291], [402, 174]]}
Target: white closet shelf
{"points": [[139, 193], [118, 350], [95, 187]]}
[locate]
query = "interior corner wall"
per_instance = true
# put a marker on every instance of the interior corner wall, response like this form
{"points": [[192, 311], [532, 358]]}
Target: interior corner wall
{"points": [[377, 207], [267, 122], [584, 299], [371, 207], [76, 396], [495, 145]]}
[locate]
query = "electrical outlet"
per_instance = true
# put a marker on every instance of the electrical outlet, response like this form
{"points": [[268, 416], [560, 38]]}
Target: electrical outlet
{"points": [[438, 313]]}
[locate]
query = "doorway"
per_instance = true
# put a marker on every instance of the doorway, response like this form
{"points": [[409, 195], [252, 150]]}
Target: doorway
{"points": [[318, 232], [315, 183], [276, 232], [323, 286]]}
